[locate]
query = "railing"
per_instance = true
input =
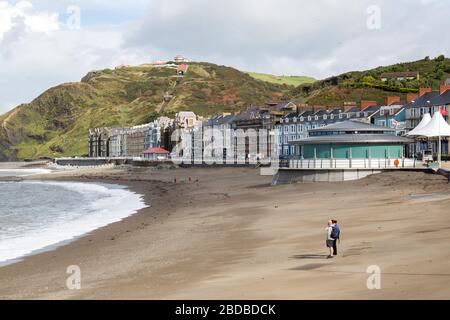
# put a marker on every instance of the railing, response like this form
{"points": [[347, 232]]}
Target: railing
{"points": [[355, 164]]}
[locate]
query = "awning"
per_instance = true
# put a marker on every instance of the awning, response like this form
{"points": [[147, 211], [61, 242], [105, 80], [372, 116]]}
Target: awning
{"points": [[423, 123], [156, 150], [437, 127]]}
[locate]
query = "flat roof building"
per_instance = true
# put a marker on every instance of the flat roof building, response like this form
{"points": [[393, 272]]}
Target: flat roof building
{"points": [[352, 140]]}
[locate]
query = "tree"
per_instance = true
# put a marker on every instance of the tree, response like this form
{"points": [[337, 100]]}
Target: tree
{"points": [[440, 58], [368, 79], [151, 117]]}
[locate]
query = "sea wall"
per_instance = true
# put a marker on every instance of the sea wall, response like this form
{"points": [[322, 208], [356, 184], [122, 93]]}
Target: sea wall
{"points": [[93, 162], [288, 176]]}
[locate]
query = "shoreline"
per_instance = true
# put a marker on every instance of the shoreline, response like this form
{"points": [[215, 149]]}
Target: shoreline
{"points": [[80, 226], [232, 236]]}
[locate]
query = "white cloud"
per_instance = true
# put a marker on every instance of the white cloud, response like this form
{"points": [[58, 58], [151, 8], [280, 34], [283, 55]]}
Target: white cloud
{"points": [[37, 51], [320, 37], [42, 21]]}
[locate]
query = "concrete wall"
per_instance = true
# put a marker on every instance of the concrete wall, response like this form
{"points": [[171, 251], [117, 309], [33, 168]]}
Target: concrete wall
{"points": [[288, 176], [91, 162], [342, 151]]}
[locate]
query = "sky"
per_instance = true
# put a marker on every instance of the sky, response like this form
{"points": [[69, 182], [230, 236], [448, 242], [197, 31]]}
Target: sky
{"points": [[44, 43]]}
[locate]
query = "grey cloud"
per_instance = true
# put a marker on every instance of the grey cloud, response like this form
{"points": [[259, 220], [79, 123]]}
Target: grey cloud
{"points": [[318, 38], [258, 34]]}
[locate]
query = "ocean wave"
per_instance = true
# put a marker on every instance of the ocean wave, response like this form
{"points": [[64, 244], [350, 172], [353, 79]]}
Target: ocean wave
{"points": [[100, 205]]}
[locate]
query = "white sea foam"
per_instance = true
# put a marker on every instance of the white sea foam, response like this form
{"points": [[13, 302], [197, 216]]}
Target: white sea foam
{"points": [[104, 205]]}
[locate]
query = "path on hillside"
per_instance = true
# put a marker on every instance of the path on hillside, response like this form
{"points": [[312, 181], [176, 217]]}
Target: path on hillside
{"points": [[171, 93], [5, 122]]}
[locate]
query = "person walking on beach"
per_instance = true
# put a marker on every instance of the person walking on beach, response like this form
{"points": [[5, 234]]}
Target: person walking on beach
{"points": [[336, 235], [330, 240]]}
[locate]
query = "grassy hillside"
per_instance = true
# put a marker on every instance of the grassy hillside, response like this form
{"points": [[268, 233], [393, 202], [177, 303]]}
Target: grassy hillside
{"points": [[358, 85], [287, 80], [57, 122]]}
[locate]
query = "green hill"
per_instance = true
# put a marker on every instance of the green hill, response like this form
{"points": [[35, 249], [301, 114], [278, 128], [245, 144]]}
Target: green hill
{"points": [[56, 123], [287, 80], [358, 85]]}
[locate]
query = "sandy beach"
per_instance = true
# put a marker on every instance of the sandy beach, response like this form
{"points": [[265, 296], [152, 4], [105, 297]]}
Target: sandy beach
{"points": [[232, 236]]}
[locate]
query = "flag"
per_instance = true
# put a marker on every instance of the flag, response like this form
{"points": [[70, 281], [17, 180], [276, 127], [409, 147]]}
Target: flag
{"points": [[394, 122]]}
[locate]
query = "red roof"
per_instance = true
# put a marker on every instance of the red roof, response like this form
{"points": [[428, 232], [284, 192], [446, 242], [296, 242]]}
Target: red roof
{"points": [[156, 150], [183, 67]]}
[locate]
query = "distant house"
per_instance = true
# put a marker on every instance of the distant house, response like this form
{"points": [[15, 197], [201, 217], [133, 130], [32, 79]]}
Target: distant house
{"points": [[180, 59], [400, 76], [182, 69], [121, 66], [392, 116], [156, 154], [159, 63]]}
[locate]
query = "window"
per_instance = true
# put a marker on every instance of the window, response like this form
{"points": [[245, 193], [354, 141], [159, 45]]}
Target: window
{"points": [[340, 115], [292, 128], [325, 117]]}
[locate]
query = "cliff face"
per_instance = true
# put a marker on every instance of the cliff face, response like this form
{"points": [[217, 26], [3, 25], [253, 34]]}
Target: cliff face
{"points": [[56, 123]]}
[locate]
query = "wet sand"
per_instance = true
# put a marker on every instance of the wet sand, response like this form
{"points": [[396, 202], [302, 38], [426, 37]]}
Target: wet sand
{"points": [[232, 236]]}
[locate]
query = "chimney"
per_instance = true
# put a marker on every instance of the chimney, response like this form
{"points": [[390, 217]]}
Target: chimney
{"points": [[391, 100], [349, 105], [443, 88], [422, 91], [410, 97], [367, 103]]}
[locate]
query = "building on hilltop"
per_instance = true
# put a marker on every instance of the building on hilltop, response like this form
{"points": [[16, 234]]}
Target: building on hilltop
{"points": [[180, 59], [400, 76], [182, 69]]}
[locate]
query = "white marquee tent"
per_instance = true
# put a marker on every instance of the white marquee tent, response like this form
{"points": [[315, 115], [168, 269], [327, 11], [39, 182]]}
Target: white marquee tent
{"points": [[425, 120], [436, 128]]}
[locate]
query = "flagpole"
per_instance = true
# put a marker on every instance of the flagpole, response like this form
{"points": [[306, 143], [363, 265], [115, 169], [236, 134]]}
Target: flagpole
{"points": [[439, 154]]}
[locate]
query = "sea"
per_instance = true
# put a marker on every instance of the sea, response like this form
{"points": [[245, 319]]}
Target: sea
{"points": [[36, 216]]}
